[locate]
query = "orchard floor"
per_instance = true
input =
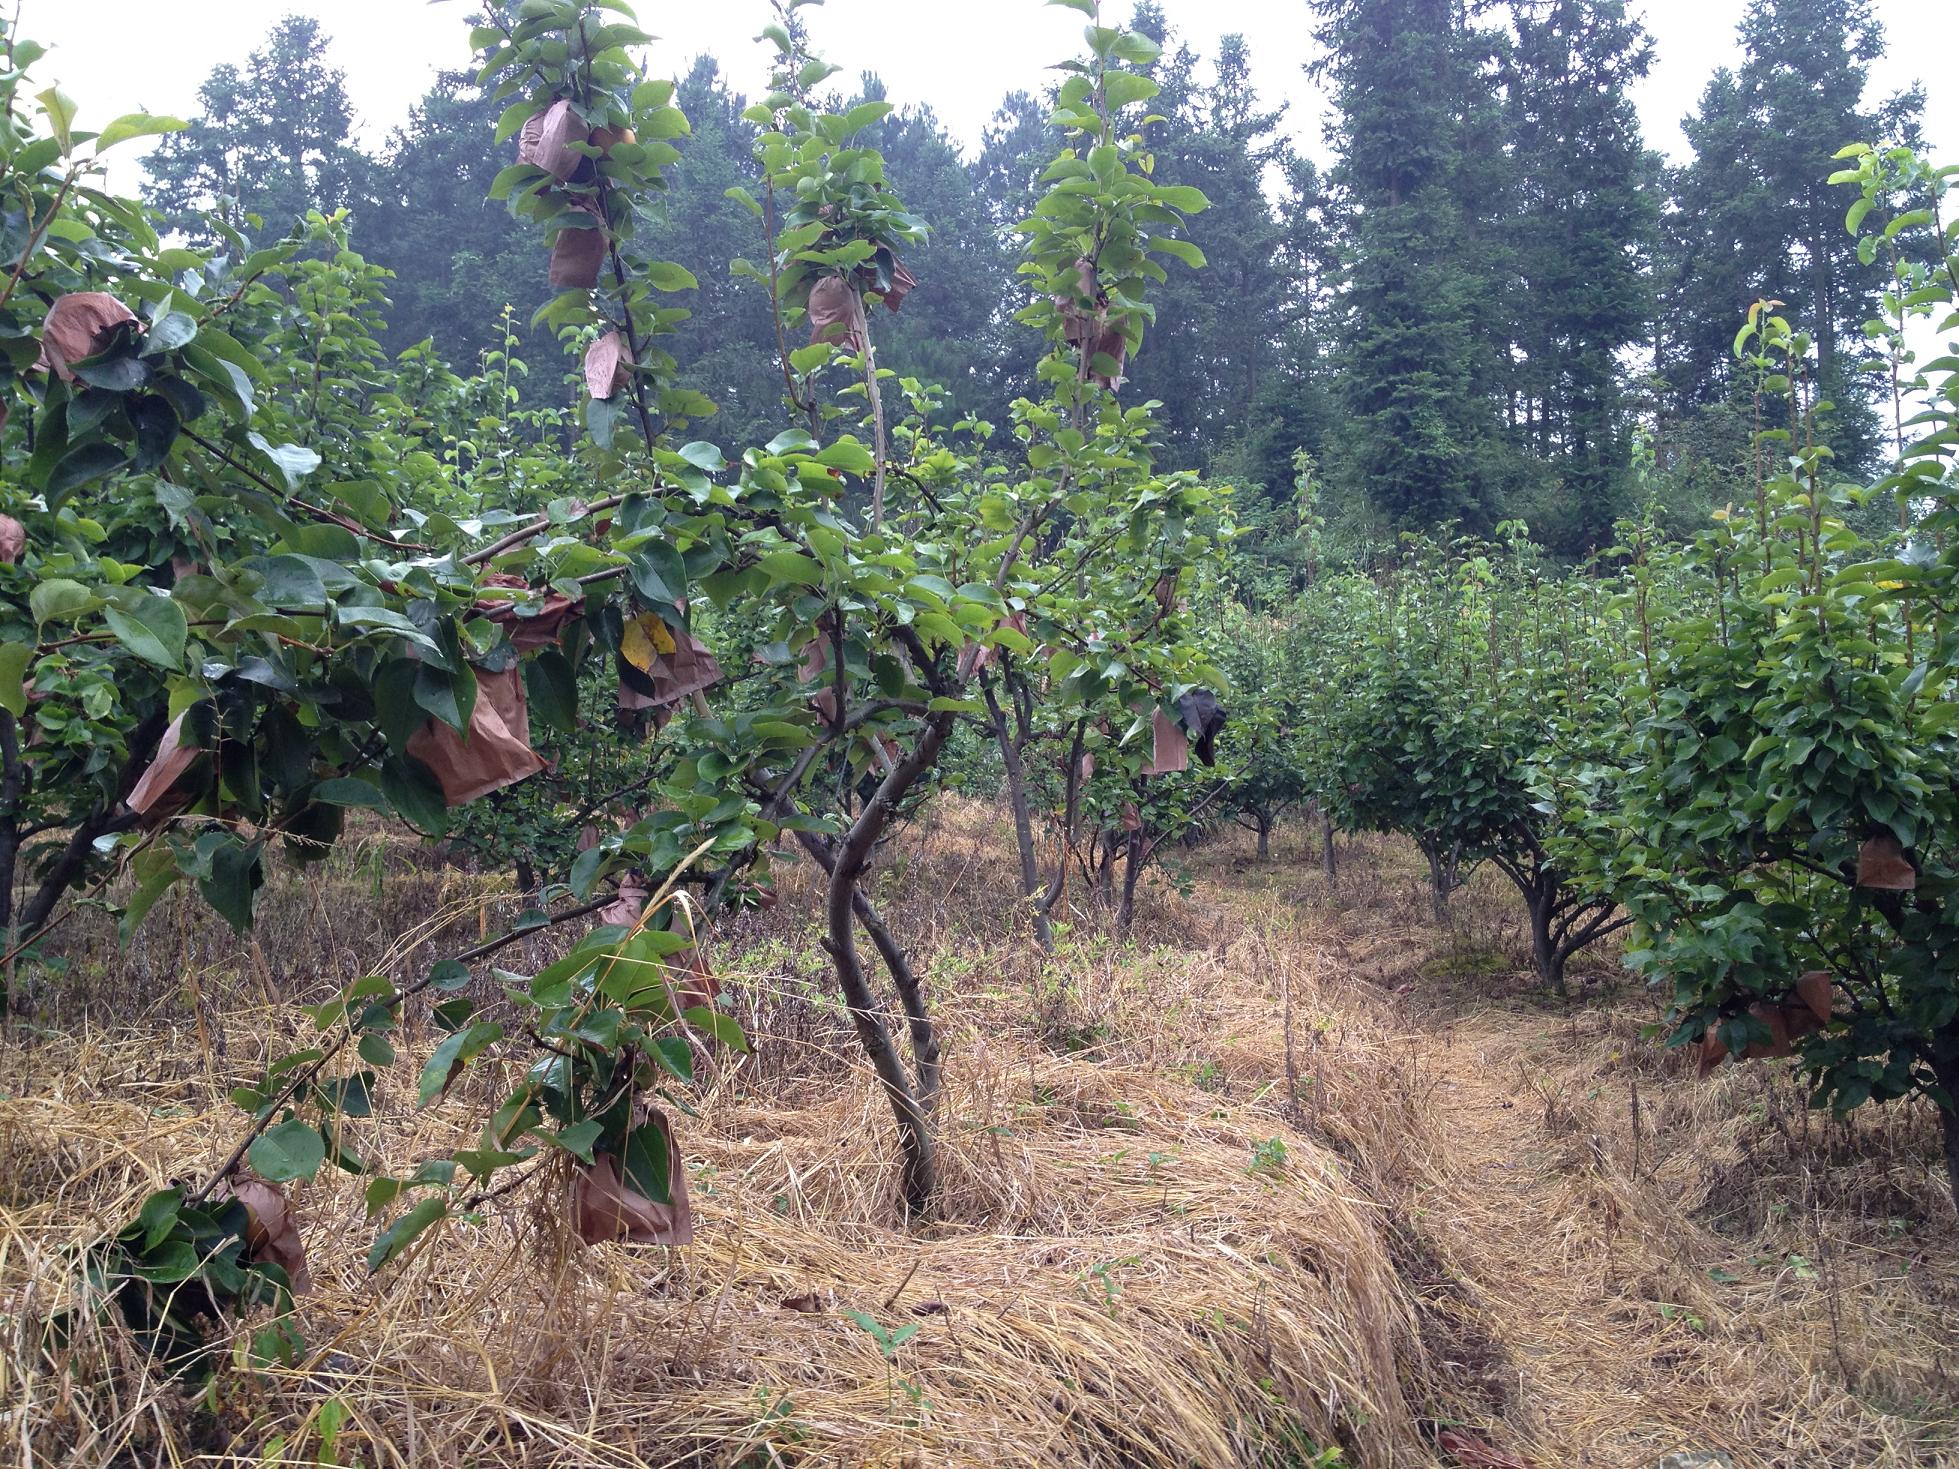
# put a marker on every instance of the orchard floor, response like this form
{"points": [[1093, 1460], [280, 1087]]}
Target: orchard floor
{"points": [[1660, 1271], [1294, 1178]]}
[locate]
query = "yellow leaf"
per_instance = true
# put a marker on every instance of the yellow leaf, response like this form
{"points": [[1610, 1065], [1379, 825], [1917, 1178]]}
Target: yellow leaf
{"points": [[646, 636]]}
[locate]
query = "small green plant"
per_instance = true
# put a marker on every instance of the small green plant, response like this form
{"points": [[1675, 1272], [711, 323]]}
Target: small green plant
{"points": [[889, 1339], [1268, 1157], [1291, 1447], [1681, 1314], [1102, 1276], [775, 1422]]}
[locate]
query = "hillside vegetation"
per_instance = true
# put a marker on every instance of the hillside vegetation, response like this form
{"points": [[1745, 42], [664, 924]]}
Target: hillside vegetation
{"points": [[1153, 1248], [536, 932]]}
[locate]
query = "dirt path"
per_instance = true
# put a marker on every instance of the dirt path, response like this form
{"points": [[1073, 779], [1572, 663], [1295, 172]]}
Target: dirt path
{"points": [[1625, 1266], [1590, 1365]]}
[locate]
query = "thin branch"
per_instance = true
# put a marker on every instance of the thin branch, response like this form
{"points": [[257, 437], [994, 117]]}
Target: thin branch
{"points": [[532, 531], [285, 497], [308, 1074]]}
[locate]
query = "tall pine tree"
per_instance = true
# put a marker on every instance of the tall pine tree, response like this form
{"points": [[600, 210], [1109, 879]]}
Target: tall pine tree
{"points": [[1754, 216], [1418, 423], [456, 259], [952, 331], [275, 139], [1217, 330], [1579, 239]]}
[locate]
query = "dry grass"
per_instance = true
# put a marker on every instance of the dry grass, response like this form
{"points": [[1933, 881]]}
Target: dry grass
{"points": [[1140, 1259], [1663, 1264], [1293, 1170]]}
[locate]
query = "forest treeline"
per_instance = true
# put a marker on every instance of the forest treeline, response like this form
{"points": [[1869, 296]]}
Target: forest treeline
{"points": [[1499, 303]]}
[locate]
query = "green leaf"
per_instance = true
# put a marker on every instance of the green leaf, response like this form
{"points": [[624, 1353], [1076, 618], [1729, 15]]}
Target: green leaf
{"points": [[151, 627], [350, 1095], [664, 275], [347, 790], [118, 374], [237, 872], [82, 465], [579, 1138], [849, 456], [659, 573], [292, 1150], [449, 697], [376, 1050], [512, 120], [1183, 198], [792, 567], [1123, 88], [585, 869], [1182, 250], [225, 375], [448, 975], [456, 1050], [863, 115], [155, 422], [150, 886], [552, 688], [672, 1053], [59, 599], [170, 1262], [806, 360], [136, 125], [405, 1231], [644, 1165], [14, 658], [60, 109], [722, 1026], [169, 332]]}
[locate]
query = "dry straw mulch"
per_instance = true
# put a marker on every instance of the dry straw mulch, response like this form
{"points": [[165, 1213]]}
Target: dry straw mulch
{"points": [[1139, 1258], [1654, 1265], [1295, 1170]]}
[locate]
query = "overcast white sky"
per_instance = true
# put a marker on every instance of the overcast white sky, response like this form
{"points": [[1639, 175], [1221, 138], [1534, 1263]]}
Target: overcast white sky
{"points": [[112, 55]]}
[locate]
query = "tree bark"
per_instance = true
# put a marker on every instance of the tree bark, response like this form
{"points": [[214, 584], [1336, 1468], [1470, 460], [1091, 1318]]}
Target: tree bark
{"points": [[1441, 882], [10, 790], [908, 1106], [1264, 836], [1541, 898], [911, 994], [1030, 862], [1329, 861], [1132, 869]]}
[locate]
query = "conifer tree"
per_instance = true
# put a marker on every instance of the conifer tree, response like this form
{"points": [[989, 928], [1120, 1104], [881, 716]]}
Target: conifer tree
{"points": [[1753, 215], [274, 139], [1579, 241], [1418, 422]]}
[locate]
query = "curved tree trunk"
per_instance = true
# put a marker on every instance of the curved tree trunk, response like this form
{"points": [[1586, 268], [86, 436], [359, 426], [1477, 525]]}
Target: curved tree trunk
{"points": [[909, 1105]]}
